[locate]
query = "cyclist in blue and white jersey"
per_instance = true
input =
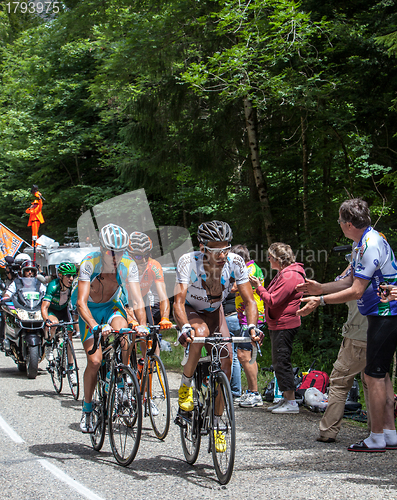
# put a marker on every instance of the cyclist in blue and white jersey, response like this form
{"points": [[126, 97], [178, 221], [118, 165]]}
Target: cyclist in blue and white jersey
{"points": [[101, 277]]}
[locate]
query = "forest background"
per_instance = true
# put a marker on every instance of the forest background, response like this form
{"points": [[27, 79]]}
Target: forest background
{"points": [[266, 114]]}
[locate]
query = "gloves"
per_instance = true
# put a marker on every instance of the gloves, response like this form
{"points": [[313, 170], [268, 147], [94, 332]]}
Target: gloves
{"points": [[165, 324], [258, 333], [133, 324], [142, 329], [185, 334]]}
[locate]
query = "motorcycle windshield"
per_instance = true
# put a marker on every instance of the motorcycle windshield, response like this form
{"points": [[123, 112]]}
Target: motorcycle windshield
{"points": [[31, 296]]}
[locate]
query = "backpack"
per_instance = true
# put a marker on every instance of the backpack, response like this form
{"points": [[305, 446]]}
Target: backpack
{"points": [[314, 378]]}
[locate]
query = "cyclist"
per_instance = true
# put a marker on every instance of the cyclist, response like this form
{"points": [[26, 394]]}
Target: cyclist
{"points": [[54, 308], [150, 271], [203, 280], [99, 294]]}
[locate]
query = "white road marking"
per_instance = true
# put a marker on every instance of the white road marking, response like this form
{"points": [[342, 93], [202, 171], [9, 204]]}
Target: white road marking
{"points": [[8, 430], [52, 468], [69, 481]]}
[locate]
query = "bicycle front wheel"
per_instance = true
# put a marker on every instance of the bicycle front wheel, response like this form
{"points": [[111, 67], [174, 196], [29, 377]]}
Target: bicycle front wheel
{"points": [[73, 373], [98, 415], [57, 366], [158, 395], [223, 430], [125, 415], [190, 433]]}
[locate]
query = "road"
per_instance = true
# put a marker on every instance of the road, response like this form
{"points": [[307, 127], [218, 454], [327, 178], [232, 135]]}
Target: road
{"points": [[45, 456]]}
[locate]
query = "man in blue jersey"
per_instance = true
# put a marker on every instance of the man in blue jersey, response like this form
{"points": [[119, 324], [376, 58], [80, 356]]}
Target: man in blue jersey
{"points": [[101, 277], [373, 262]]}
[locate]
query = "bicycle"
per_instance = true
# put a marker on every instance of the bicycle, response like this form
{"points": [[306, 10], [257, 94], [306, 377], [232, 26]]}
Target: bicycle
{"points": [[212, 393], [153, 384], [60, 367], [116, 400]]}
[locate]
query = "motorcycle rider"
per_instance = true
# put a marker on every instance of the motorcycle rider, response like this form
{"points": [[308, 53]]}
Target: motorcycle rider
{"points": [[54, 307], [28, 270]]}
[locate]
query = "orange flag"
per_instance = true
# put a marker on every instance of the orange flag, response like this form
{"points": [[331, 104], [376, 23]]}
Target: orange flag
{"points": [[9, 243]]}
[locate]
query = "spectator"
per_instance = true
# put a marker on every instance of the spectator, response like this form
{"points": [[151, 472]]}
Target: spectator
{"points": [[251, 397], [350, 361], [373, 261], [281, 303]]}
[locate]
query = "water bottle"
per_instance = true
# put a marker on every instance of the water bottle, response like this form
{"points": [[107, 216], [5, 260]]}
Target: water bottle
{"points": [[107, 382], [61, 344]]}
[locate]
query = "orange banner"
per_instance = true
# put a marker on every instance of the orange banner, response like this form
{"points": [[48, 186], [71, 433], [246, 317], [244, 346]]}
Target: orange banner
{"points": [[9, 243]]}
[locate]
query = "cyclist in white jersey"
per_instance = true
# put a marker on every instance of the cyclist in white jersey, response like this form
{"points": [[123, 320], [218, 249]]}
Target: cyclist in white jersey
{"points": [[203, 280], [98, 302]]}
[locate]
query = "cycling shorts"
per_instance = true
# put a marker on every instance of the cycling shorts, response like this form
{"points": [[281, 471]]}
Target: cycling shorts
{"points": [[61, 315], [215, 321], [102, 313]]}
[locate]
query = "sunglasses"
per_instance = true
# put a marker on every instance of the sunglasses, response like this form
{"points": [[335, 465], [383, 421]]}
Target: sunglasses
{"points": [[140, 257], [218, 251], [70, 275]]}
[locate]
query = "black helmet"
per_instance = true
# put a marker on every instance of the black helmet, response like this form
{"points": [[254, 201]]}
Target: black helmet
{"points": [[140, 243], [215, 230], [28, 264]]}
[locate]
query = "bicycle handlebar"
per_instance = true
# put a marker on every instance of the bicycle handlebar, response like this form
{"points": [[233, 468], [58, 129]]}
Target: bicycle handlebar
{"points": [[228, 340], [98, 336]]}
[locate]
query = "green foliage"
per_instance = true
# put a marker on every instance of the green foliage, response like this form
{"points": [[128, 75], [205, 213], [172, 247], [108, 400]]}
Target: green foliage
{"points": [[107, 97]]}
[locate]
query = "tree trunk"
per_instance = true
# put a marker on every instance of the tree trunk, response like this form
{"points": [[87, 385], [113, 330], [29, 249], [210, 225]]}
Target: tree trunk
{"points": [[260, 182], [305, 180]]}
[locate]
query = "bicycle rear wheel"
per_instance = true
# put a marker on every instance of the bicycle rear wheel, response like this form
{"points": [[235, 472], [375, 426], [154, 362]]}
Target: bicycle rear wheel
{"points": [[223, 430], [158, 395], [73, 384], [125, 415], [98, 415], [57, 370], [190, 433]]}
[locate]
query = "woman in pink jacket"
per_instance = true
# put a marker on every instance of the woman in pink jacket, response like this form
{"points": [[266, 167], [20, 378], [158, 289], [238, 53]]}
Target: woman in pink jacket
{"points": [[281, 303]]}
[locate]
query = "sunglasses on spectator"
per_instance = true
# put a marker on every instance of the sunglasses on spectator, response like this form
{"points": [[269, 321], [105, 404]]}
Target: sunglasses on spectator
{"points": [[218, 251]]}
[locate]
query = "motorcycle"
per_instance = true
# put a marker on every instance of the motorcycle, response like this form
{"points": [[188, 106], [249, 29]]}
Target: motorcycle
{"points": [[24, 326]]}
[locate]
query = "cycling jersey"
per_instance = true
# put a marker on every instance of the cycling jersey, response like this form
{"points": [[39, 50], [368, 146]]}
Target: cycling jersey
{"points": [[190, 271], [373, 260], [253, 270], [59, 299], [152, 273], [104, 312]]}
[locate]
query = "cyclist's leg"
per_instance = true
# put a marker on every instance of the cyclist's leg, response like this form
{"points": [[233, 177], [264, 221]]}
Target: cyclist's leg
{"points": [[226, 355], [185, 399], [93, 364], [118, 320]]}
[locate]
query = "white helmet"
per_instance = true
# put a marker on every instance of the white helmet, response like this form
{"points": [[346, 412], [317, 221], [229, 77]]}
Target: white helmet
{"points": [[313, 397], [113, 237], [21, 257]]}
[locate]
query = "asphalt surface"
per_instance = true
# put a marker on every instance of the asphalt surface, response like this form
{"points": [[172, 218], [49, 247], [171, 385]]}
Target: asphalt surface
{"points": [[43, 454]]}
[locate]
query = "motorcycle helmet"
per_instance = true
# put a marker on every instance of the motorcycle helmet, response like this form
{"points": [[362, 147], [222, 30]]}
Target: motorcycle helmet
{"points": [[215, 230], [28, 264], [140, 243], [314, 397], [113, 237], [21, 257], [67, 269]]}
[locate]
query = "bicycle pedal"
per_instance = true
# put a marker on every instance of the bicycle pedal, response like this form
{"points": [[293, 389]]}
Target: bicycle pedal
{"points": [[180, 422]]}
